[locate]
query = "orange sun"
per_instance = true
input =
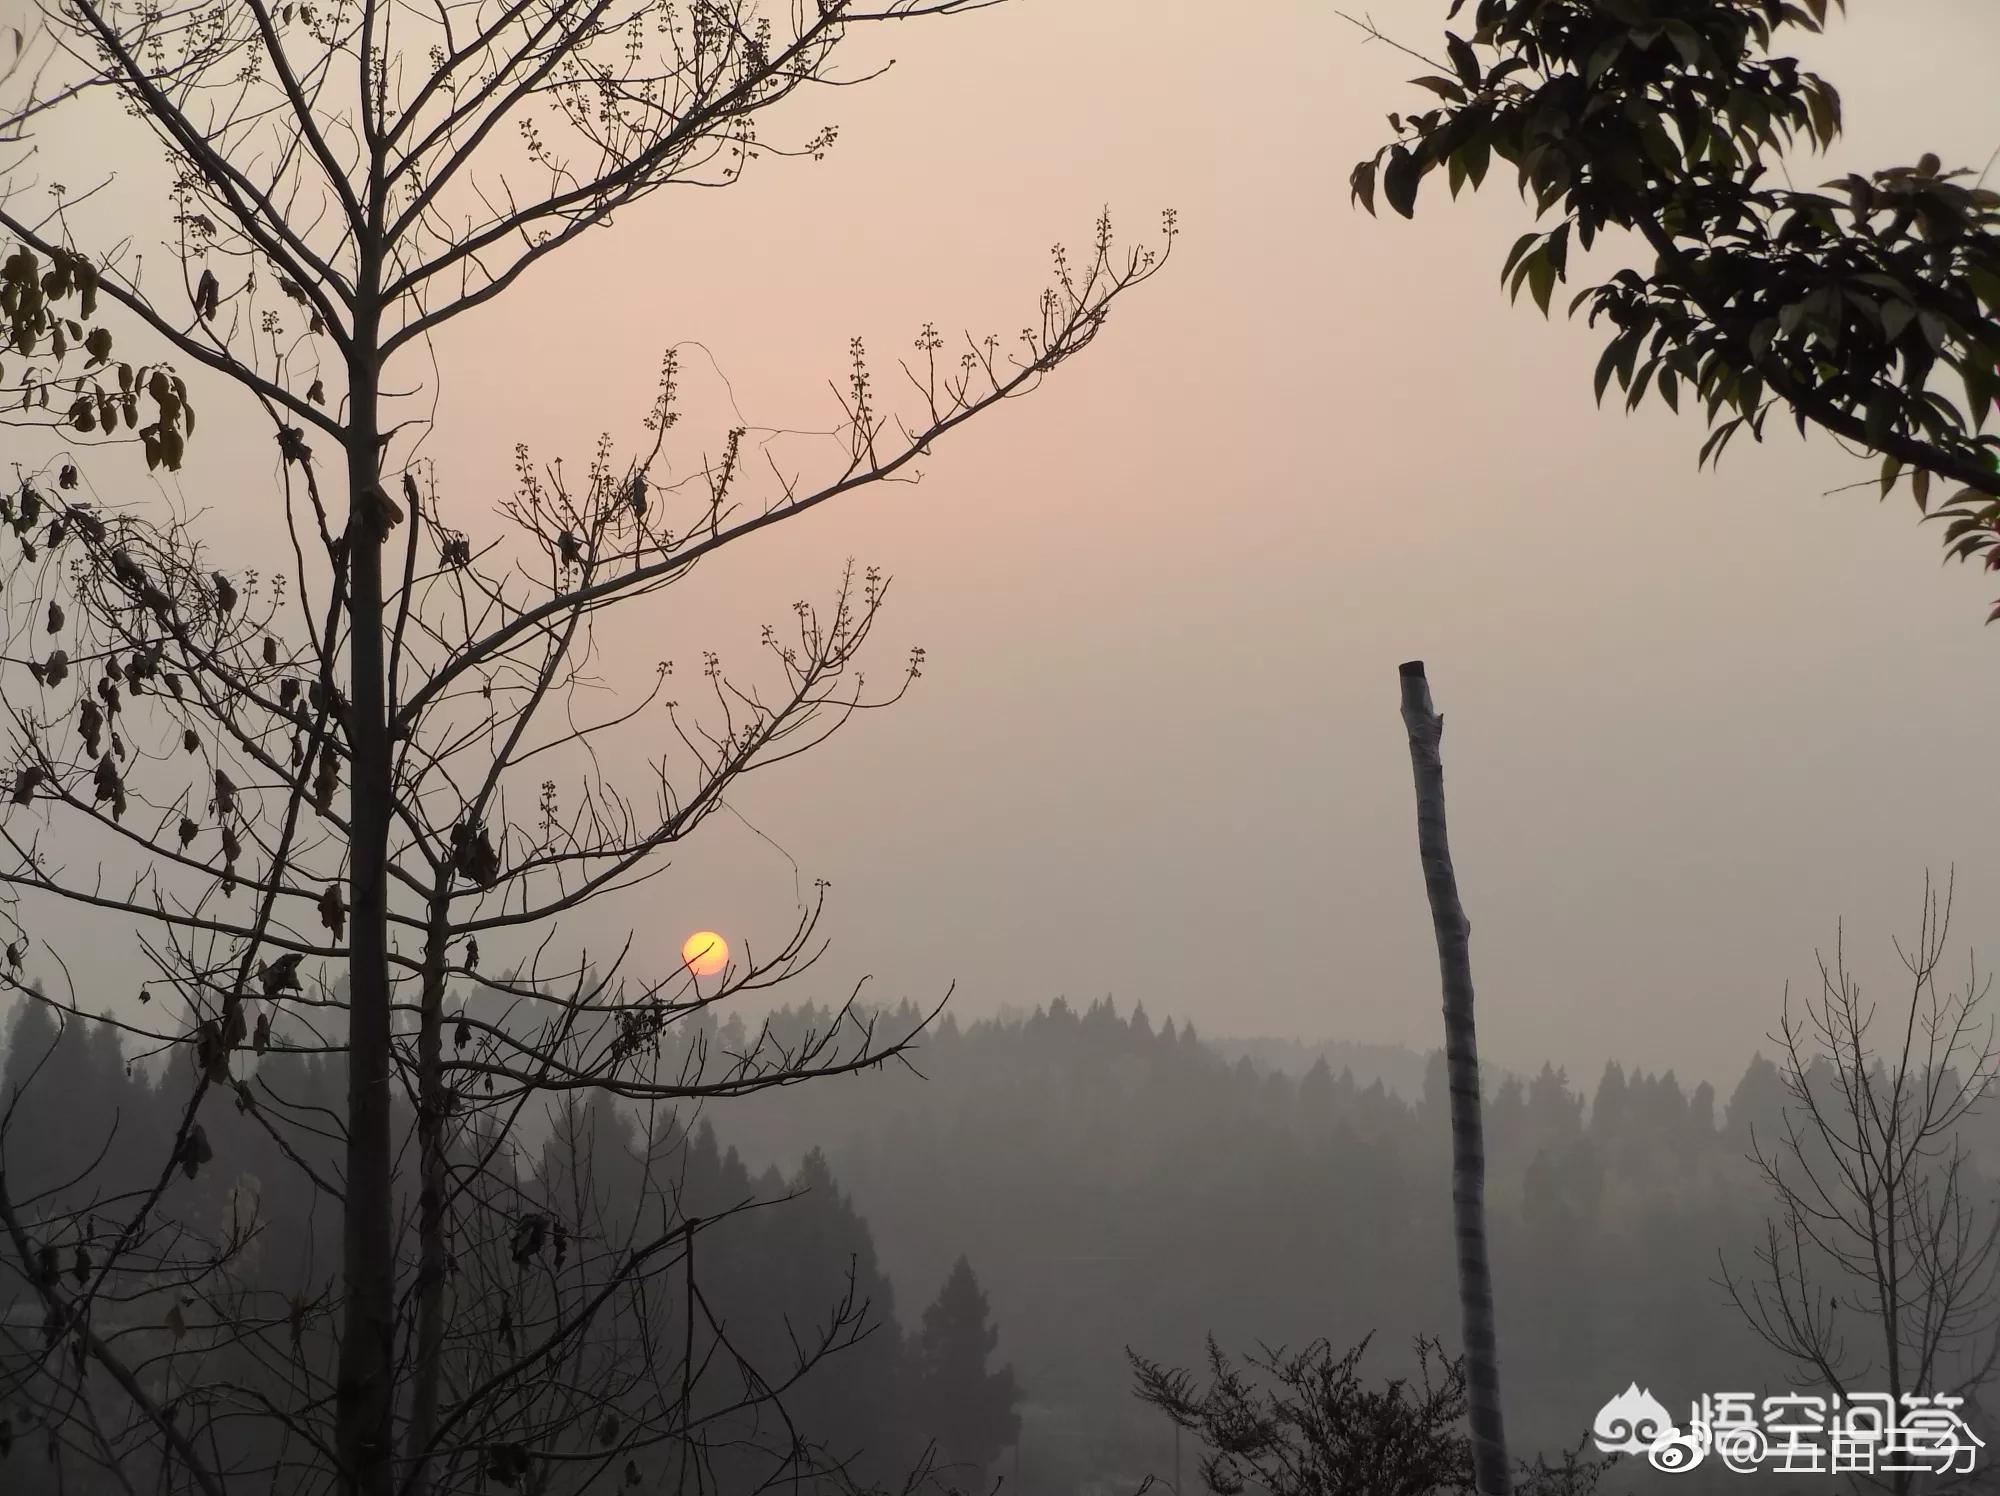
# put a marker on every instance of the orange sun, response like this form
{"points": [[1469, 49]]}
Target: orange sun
{"points": [[705, 953]]}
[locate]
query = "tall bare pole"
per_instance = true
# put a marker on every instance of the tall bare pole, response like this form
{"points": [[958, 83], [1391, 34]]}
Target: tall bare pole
{"points": [[1468, 1145]]}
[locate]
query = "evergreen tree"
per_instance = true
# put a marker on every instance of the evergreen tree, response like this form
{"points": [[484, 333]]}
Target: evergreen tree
{"points": [[1316, 1095], [970, 1411], [1701, 1111], [1757, 1107], [1610, 1107]]}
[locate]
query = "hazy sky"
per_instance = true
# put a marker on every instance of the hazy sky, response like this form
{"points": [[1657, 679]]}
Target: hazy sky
{"points": [[1692, 720]]}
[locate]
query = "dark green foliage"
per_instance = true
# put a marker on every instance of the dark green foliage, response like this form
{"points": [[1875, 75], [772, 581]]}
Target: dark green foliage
{"points": [[1846, 307]]}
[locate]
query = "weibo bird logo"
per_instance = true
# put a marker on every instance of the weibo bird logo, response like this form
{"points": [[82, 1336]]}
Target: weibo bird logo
{"points": [[1631, 1422]]}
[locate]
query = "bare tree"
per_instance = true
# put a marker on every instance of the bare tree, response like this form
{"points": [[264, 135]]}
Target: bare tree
{"points": [[1878, 1274], [25, 56], [315, 794]]}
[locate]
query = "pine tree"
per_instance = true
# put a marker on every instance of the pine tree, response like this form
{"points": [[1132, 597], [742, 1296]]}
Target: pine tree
{"points": [[1757, 1106], [969, 1411]]}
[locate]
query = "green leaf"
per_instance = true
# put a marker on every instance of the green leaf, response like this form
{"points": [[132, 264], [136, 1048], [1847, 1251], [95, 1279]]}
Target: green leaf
{"points": [[1639, 384], [1986, 286], [1444, 88], [1606, 362], [1399, 181], [1763, 335], [1686, 40], [1478, 152], [1879, 418], [1712, 449], [1602, 59], [1521, 272], [1825, 116], [1558, 251], [1891, 468], [1361, 186], [1749, 392], [1513, 255], [1920, 482], [1628, 356], [1660, 147], [1463, 58], [1542, 277], [1978, 384]]}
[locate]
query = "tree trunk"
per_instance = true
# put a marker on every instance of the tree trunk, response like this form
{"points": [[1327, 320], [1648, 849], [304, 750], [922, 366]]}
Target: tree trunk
{"points": [[1468, 1148], [365, 1394], [433, 1110]]}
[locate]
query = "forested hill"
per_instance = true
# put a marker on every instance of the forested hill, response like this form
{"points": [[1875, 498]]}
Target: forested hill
{"points": [[796, 1287], [1118, 1183], [1115, 1183], [1397, 1066]]}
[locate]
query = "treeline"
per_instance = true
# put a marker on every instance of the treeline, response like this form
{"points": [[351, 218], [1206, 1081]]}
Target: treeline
{"points": [[1127, 1186], [1115, 1182]]}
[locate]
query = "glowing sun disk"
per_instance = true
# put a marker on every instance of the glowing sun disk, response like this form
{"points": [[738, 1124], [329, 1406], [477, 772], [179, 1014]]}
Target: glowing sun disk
{"points": [[705, 953]]}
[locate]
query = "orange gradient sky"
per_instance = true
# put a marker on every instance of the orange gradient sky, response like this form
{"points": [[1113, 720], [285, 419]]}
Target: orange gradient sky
{"points": [[1692, 719]]}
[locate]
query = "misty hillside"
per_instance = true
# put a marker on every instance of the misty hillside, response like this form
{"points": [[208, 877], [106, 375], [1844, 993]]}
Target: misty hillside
{"points": [[1107, 1184], [1116, 1183]]}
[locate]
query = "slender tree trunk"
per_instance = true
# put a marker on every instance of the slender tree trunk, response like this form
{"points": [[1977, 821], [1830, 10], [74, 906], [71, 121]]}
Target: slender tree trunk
{"points": [[365, 1394], [433, 1112], [1468, 1147]]}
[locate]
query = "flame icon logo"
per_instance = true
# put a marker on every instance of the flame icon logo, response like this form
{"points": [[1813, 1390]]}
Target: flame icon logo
{"points": [[1631, 1422]]}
